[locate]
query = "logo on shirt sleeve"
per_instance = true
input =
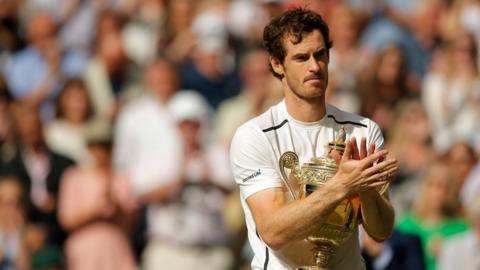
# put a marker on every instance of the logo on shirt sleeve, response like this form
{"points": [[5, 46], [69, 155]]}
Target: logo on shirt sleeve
{"points": [[251, 176]]}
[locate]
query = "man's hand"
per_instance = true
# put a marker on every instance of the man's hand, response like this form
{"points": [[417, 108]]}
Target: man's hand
{"points": [[357, 176], [377, 212]]}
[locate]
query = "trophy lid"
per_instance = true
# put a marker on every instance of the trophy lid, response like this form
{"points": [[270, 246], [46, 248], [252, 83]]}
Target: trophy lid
{"points": [[339, 142]]}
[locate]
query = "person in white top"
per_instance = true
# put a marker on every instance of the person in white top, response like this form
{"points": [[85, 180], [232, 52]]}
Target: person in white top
{"points": [[298, 43], [462, 251]]}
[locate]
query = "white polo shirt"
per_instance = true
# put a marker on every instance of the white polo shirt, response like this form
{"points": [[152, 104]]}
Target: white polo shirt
{"points": [[255, 152]]}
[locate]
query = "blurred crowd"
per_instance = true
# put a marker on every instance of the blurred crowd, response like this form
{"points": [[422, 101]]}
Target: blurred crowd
{"points": [[116, 118]]}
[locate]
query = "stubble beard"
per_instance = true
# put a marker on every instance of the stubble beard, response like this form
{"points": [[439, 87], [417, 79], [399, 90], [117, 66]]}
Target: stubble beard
{"points": [[299, 93]]}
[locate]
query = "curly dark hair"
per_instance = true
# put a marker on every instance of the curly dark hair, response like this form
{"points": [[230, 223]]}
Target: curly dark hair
{"points": [[294, 23]]}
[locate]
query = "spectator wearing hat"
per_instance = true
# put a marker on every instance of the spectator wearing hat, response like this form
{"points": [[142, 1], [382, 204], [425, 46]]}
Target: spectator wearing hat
{"points": [[201, 238], [91, 208]]}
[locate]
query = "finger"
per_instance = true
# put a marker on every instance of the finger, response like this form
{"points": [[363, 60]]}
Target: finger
{"points": [[380, 167], [368, 161], [348, 152], [336, 156], [363, 148], [371, 149], [384, 176], [356, 152]]}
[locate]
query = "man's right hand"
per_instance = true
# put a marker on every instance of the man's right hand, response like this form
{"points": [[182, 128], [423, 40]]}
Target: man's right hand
{"points": [[355, 176]]}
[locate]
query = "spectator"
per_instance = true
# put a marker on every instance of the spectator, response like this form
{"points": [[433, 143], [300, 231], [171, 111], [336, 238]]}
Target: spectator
{"points": [[10, 40], [148, 149], [384, 87], [66, 134], [201, 240], [109, 73], [7, 144], [461, 158], [451, 93], [44, 62], [178, 40], [401, 251], [409, 142], [258, 92], [91, 211], [436, 213], [12, 224], [38, 169], [209, 72], [462, 252], [345, 60]]}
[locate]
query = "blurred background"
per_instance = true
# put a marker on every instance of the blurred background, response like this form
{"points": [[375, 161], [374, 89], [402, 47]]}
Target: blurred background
{"points": [[116, 118]]}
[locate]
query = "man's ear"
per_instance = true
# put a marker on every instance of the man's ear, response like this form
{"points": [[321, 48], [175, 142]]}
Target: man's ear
{"points": [[277, 66]]}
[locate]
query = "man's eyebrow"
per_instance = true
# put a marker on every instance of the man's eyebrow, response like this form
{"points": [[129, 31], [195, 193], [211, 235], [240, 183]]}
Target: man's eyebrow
{"points": [[323, 49], [299, 55]]}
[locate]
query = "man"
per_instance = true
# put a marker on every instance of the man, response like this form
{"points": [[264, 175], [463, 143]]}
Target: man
{"points": [[39, 169], [44, 63], [298, 43], [148, 149]]}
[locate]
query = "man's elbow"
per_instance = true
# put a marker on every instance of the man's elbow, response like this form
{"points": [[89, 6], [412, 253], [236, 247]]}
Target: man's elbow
{"points": [[274, 241]]}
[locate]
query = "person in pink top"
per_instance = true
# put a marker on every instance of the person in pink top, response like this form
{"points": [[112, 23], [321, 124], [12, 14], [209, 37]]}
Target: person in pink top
{"points": [[93, 204]]}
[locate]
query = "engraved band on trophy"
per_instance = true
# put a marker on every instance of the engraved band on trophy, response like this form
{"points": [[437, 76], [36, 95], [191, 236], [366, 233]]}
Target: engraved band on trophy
{"points": [[343, 220]]}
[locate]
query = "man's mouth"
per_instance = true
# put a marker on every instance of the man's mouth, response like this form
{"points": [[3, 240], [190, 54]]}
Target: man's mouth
{"points": [[312, 78]]}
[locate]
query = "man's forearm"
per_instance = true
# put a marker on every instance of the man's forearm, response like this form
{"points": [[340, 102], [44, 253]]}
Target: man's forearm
{"points": [[378, 215], [296, 220]]}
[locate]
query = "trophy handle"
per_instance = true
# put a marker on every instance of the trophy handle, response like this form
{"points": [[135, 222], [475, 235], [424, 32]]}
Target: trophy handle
{"points": [[288, 160]]}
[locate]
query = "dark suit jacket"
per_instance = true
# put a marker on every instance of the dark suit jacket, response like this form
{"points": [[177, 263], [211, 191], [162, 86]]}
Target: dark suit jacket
{"points": [[58, 163], [407, 253]]}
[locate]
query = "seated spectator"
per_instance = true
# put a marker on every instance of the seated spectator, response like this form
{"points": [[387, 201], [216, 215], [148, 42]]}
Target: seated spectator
{"points": [[66, 133], [436, 212], [92, 212], [462, 251]]}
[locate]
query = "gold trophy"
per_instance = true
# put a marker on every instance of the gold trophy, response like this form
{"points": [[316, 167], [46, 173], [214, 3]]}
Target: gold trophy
{"points": [[343, 220]]}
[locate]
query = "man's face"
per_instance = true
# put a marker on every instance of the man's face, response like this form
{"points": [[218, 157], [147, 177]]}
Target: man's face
{"points": [[305, 67]]}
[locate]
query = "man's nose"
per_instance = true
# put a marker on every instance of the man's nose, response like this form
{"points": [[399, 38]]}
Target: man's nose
{"points": [[313, 64]]}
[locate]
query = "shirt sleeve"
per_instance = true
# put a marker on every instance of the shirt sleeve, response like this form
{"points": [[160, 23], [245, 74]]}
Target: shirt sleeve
{"points": [[375, 136], [253, 161]]}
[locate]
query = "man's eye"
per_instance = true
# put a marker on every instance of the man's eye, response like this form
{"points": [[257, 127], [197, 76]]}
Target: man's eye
{"points": [[301, 58], [320, 54]]}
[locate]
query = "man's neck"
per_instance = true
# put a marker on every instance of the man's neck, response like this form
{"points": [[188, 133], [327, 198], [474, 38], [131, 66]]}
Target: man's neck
{"points": [[305, 110]]}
